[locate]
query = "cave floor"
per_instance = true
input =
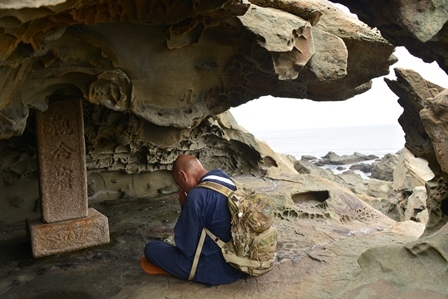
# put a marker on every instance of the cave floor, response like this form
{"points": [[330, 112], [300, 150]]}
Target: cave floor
{"points": [[317, 258]]}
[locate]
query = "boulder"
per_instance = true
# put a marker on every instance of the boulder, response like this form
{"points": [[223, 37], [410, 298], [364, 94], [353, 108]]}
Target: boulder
{"points": [[384, 168], [416, 206], [334, 159], [410, 172], [366, 168], [308, 157]]}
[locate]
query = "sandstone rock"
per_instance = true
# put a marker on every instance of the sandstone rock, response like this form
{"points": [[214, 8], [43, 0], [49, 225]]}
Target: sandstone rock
{"points": [[132, 158], [400, 205], [384, 169], [419, 26], [156, 74], [373, 191], [366, 168], [412, 89], [306, 167], [326, 18], [416, 206], [377, 193], [136, 119], [67, 55], [424, 104], [322, 231], [410, 171], [334, 159], [385, 269], [308, 157]]}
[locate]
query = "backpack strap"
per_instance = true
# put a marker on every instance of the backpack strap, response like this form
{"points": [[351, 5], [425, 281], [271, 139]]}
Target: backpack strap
{"points": [[216, 239], [197, 255], [226, 192], [217, 187]]}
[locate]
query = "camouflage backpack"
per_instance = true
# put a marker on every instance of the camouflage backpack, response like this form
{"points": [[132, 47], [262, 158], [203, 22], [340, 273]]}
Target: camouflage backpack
{"points": [[254, 239]]}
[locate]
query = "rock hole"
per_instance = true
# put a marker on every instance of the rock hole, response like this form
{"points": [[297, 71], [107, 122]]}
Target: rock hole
{"points": [[269, 161], [444, 206], [316, 196]]}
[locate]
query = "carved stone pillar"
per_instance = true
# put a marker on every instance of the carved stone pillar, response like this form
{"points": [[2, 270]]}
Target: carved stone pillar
{"points": [[67, 223]]}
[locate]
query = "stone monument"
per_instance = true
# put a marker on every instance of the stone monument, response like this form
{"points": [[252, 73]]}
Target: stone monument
{"points": [[66, 222]]}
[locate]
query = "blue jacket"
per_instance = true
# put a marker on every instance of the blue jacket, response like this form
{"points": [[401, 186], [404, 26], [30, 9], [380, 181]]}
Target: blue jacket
{"points": [[206, 208]]}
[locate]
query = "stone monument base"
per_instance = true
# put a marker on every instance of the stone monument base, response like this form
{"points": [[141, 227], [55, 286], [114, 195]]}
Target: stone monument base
{"points": [[69, 235]]}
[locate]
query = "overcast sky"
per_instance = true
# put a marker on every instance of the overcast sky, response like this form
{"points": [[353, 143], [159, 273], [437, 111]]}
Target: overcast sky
{"points": [[376, 106]]}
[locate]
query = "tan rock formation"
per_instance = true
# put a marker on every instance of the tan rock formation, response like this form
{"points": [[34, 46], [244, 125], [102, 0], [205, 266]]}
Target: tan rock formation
{"points": [[410, 171], [416, 206], [323, 229], [420, 26], [423, 122], [409, 179], [155, 75], [174, 65]]}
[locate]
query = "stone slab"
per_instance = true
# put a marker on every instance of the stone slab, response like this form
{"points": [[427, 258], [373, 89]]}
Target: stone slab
{"points": [[61, 158], [70, 235]]}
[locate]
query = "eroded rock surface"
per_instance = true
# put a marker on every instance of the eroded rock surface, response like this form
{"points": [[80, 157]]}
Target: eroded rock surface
{"points": [[155, 75], [423, 122], [420, 26], [323, 229], [174, 65]]}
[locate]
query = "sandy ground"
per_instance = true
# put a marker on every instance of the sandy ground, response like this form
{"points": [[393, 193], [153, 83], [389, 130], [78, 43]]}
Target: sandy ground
{"points": [[317, 258]]}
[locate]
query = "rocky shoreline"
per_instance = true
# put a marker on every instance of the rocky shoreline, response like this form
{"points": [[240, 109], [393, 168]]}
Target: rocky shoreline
{"points": [[390, 183], [359, 163]]}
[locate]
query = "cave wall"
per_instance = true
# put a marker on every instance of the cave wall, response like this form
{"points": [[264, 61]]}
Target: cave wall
{"points": [[128, 157], [156, 76]]}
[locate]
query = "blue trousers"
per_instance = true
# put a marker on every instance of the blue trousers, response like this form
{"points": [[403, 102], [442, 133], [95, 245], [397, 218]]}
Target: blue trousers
{"points": [[213, 270], [169, 258]]}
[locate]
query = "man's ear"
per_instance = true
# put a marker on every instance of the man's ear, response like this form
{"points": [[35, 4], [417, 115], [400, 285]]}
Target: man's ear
{"points": [[183, 175]]}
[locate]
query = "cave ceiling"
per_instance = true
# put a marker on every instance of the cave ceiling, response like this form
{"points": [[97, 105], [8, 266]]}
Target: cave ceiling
{"points": [[174, 63], [420, 26]]}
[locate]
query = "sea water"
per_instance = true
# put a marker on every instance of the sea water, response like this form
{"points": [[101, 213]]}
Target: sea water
{"points": [[376, 140]]}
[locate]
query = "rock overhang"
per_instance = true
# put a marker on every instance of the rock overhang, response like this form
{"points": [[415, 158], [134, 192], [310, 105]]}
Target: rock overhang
{"points": [[176, 65]]}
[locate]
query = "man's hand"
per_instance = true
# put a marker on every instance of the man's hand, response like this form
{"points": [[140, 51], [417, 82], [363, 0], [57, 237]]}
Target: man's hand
{"points": [[182, 198]]}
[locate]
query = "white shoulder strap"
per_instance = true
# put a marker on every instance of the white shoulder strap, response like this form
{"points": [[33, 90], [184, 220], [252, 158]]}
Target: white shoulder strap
{"points": [[218, 178]]}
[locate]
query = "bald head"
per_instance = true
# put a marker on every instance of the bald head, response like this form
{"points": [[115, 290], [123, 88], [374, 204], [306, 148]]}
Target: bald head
{"points": [[184, 162], [187, 172]]}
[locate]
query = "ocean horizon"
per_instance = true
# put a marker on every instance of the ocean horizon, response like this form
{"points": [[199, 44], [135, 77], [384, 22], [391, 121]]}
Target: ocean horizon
{"points": [[376, 140]]}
